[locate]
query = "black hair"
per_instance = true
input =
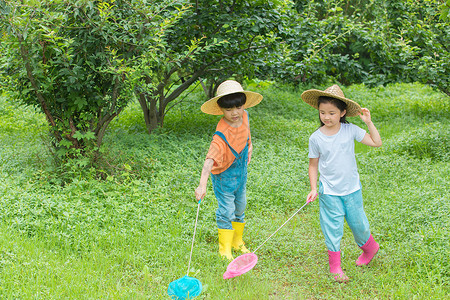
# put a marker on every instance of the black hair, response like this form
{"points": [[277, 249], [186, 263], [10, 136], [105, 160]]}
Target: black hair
{"points": [[341, 105], [232, 100]]}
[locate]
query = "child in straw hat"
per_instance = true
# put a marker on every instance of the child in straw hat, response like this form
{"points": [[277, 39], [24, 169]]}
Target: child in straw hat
{"points": [[332, 154], [229, 153]]}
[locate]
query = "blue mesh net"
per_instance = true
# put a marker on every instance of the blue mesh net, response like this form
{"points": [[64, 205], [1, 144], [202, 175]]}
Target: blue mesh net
{"points": [[184, 288]]}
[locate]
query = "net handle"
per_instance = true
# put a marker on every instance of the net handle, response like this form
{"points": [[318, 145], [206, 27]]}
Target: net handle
{"points": [[281, 226], [193, 238]]}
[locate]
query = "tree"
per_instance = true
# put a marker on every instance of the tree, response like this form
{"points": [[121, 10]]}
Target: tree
{"points": [[445, 10], [360, 41], [215, 39], [75, 60]]}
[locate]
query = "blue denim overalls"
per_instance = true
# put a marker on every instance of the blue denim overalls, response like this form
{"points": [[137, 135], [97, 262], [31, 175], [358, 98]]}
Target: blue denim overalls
{"points": [[229, 188]]}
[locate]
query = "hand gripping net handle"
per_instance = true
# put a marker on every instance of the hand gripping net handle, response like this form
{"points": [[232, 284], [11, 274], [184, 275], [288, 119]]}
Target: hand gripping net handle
{"points": [[193, 238], [281, 226]]}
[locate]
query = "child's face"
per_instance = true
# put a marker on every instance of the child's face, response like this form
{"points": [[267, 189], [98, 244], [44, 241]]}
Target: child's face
{"points": [[330, 115], [233, 116]]}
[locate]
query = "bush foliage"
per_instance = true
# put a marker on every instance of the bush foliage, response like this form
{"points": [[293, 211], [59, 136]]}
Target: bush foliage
{"points": [[81, 62], [357, 41]]}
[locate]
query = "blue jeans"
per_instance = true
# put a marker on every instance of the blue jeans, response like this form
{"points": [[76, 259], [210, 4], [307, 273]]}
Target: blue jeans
{"points": [[333, 210], [230, 189]]}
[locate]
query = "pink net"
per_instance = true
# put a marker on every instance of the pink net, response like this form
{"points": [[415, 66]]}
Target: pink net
{"points": [[241, 265]]}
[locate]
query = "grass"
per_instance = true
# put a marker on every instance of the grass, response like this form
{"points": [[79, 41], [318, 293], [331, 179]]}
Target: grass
{"points": [[129, 236]]}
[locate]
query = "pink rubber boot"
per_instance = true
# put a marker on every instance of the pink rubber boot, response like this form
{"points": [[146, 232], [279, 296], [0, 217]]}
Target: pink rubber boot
{"points": [[334, 259], [370, 248]]}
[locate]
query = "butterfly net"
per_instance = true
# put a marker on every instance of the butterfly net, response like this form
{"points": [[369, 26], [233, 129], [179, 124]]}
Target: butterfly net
{"points": [[241, 265], [184, 288]]}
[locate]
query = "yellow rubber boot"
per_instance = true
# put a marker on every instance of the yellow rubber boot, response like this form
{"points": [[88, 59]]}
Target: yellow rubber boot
{"points": [[238, 243], [225, 240]]}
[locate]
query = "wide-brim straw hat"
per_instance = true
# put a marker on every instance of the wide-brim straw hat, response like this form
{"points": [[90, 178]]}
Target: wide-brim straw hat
{"points": [[226, 88], [311, 97]]}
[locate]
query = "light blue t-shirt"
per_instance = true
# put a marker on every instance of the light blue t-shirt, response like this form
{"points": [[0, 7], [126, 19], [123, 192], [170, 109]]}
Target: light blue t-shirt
{"points": [[337, 163]]}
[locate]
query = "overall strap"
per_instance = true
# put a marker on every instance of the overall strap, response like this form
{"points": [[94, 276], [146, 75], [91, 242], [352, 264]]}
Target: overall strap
{"points": [[248, 121], [222, 136]]}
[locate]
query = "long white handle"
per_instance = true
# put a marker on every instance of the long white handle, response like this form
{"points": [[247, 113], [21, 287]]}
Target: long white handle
{"points": [[281, 226], [193, 238]]}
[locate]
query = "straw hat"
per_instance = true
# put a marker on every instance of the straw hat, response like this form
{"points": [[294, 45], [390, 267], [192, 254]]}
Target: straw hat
{"points": [[312, 96], [229, 87]]}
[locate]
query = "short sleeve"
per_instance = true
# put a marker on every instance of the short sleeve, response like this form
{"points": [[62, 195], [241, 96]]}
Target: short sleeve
{"points": [[313, 148], [215, 151], [358, 133]]}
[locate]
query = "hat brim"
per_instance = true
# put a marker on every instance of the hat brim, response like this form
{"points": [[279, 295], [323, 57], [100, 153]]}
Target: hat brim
{"points": [[311, 97], [212, 108]]}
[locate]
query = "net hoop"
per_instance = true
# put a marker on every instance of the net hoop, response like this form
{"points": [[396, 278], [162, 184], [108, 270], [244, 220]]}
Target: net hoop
{"points": [[184, 288], [240, 265]]}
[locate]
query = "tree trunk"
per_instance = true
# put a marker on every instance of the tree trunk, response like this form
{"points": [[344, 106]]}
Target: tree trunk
{"points": [[154, 103], [148, 105]]}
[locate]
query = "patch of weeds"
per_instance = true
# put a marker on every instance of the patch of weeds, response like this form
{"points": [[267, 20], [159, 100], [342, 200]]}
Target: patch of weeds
{"points": [[431, 141], [413, 101], [129, 234]]}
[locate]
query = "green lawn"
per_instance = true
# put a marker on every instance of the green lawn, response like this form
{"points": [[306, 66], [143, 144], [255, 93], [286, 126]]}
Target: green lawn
{"points": [[129, 236]]}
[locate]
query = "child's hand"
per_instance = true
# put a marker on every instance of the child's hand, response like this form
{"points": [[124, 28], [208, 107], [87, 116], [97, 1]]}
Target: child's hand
{"points": [[200, 192], [311, 196], [365, 116]]}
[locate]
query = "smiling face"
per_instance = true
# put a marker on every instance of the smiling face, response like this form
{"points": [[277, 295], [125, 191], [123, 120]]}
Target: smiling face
{"points": [[330, 115], [233, 116]]}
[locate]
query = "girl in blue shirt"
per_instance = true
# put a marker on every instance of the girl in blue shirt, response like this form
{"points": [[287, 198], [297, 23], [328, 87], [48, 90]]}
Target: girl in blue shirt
{"points": [[332, 154]]}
